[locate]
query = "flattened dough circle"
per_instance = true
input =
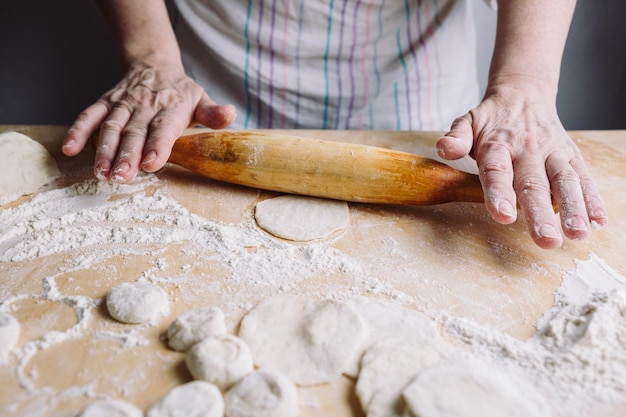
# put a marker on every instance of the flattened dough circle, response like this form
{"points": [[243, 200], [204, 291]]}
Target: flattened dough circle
{"points": [[311, 341], [301, 218], [26, 166]]}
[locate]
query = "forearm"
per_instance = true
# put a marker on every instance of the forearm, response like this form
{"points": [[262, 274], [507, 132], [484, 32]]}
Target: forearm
{"points": [[530, 39], [142, 31]]}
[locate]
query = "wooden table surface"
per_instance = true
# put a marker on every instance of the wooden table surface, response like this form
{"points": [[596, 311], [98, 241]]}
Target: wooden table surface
{"points": [[451, 258]]}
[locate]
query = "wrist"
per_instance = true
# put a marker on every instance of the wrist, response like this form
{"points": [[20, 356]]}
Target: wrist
{"points": [[532, 87]]}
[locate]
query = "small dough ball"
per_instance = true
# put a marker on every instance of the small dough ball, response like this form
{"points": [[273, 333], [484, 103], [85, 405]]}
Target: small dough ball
{"points": [[262, 393], [452, 389], [311, 341], [26, 166], [137, 302], [193, 399], [111, 408], [221, 360], [301, 218], [194, 326], [9, 333]]}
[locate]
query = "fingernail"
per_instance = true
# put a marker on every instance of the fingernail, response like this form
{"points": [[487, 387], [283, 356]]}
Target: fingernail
{"points": [[575, 224], [506, 208], [69, 144], [101, 169], [549, 231], [149, 158], [119, 169]]}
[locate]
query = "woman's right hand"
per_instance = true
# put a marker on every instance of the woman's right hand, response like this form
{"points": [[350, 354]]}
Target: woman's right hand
{"points": [[140, 119]]}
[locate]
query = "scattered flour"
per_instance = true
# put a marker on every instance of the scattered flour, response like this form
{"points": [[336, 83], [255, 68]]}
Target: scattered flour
{"points": [[578, 354], [577, 357]]}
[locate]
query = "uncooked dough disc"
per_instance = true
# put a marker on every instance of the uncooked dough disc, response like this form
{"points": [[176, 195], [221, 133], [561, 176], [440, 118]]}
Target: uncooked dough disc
{"points": [[194, 326], [111, 408], [193, 399], [388, 322], [452, 389], [311, 341], [26, 166], [9, 333], [386, 369], [262, 393], [301, 218], [137, 302]]}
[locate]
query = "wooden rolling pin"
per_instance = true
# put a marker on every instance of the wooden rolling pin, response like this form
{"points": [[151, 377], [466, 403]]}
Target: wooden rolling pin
{"points": [[335, 170]]}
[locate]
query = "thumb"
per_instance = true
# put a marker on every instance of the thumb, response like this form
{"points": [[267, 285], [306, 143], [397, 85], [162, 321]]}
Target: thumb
{"points": [[212, 115], [458, 142]]}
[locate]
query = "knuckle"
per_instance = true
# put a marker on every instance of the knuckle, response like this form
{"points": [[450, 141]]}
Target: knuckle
{"points": [[494, 167], [135, 131], [111, 125], [531, 184]]}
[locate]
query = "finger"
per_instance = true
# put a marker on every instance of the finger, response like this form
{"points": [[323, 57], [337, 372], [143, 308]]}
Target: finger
{"points": [[458, 142], [495, 170], [567, 191], [596, 209], [533, 193], [165, 128], [131, 146], [85, 124], [213, 115], [109, 141]]}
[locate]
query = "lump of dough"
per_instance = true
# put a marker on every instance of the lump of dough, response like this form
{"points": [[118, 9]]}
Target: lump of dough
{"points": [[452, 389], [195, 326], [9, 333], [111, 408], [301, 218], [137, 302], [26, 166], [386, 322], [193, 399], [220, 360], [386, 369], [311, 341], [262, 393]]}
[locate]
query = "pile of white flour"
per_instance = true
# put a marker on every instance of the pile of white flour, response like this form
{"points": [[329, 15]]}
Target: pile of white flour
{"points": [[577, 359]]}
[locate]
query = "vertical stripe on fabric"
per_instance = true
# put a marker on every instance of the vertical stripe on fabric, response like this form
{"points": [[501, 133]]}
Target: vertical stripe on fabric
{"points": [[437, 25], [376, 69], [429, 80], [246, 75], [342, 25], [407, 93], [396, 100], [364, 74], [285, 35], [355, 35], [259, 103], [298, 75], [270, 116], [326, 55], [409, 36]]}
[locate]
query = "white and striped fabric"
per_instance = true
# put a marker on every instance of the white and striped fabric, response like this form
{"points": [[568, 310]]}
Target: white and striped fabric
{"points": [[333, 64]]}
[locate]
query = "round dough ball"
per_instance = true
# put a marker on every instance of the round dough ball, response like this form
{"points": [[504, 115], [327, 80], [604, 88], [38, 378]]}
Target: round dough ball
{"points": [[137, 302], [221, 360], [9, 333], [111, 408], [301, 218], [194, 326], [262, 393], [453, 389], [26, 166], [311, 341], [193, 399]]}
